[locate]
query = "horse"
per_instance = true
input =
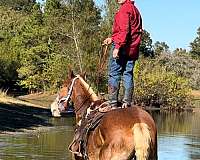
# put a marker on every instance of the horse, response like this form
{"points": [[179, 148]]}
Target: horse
{"points": [[122, 134]]}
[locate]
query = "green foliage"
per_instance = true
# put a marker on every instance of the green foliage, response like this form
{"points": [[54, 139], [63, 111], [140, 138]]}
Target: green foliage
{"points": [[34, 50], [37, 47], [10, 24], [195, 46], [181, 63], [57, 38], [146, 45], [155, 86], [160, 47], [19, 5]]}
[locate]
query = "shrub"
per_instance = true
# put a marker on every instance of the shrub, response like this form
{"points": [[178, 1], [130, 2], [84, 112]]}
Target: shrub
{"points": [[154, 86], [184, 66]]}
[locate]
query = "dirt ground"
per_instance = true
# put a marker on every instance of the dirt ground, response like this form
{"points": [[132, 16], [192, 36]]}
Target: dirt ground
{"points": [[41, 99], [17, 115]]}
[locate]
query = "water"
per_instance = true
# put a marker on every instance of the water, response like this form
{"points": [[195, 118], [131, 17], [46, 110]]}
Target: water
{"points": [[178, 136], [178, 139]]}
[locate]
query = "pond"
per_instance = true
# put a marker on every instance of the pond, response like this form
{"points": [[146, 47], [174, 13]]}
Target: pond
{"points": [[178, 139]]}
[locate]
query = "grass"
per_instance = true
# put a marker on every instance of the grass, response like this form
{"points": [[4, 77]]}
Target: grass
{"points": [[196, 95], [44, 99], [5, 99], [3, 93]]}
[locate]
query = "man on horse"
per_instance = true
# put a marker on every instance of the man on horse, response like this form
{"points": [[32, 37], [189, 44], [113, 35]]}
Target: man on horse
{"points": [[126, 38]]}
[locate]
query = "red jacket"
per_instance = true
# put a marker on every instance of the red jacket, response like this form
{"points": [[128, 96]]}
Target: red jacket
{"points": [[127, 29]]}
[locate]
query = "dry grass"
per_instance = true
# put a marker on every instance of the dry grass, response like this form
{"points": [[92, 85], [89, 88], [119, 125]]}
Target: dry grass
{"points": [[196, 100], [196, 93], [4, 98], [3, 93]]}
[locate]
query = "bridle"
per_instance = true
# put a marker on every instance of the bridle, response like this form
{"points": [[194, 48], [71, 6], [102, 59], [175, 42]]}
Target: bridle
{"points": [[66, 98]]}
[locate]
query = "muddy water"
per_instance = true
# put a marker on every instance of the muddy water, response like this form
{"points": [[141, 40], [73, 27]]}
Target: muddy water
{"points": [[178, 139]]}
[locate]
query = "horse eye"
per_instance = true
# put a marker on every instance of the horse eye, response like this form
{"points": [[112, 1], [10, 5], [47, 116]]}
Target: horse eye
{"points": [[62, 100]]}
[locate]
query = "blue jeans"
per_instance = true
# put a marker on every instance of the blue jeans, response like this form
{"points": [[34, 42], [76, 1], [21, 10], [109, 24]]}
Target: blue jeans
{"points": [[121, 67]]}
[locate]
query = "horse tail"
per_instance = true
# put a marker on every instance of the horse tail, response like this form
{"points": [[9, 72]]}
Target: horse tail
{"points": [[142, 141]]}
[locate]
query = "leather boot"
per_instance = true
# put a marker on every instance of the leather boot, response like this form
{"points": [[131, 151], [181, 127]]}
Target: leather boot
{"points": [[113, 95], [127, 98]]}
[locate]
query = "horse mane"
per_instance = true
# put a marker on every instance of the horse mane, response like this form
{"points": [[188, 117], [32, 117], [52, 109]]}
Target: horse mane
{"points": [[88, 88]]}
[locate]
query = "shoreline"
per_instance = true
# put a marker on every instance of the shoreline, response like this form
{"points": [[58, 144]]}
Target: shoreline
{"points": [[26, 113]]}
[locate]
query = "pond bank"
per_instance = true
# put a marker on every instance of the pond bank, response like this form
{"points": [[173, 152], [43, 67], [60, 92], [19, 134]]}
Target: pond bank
{"points": [[27, 112], [19, 116]]}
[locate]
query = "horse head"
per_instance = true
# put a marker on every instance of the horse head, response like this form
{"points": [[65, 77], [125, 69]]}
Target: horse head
{"points": [[76, 90]]}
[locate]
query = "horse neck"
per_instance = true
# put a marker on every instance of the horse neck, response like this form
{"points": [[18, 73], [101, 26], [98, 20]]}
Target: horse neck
{"points": [[89, 90], [81, 104], [84, 98]]}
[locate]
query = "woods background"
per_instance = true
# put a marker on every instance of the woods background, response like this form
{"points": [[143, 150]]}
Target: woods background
{"points": [[39, 42]]}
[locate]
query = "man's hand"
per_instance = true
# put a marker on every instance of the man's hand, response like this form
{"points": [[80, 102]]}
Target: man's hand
{"points": [[107, 41], [116, 53]]}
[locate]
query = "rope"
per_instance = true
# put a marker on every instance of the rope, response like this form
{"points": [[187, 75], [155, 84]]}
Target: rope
{"points": [[101, 64]]}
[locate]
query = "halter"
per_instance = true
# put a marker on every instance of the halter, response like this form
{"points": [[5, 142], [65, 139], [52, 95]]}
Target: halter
{"points": [[66, 98]]}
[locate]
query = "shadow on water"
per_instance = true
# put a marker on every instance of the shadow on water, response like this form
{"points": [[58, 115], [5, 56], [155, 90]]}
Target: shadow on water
{"points": [[16, 117]]}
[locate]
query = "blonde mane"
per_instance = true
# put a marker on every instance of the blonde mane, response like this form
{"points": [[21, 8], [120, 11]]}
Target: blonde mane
{"points": [[94, 97]]}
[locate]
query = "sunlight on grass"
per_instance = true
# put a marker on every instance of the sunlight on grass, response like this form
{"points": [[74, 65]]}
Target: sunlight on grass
{"points": [[3, 93], [196, 99], [6, 99]]}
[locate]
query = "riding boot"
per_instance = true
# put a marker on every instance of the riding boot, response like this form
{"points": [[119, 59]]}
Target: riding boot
{"points": [[113, 96], [127, 98]]}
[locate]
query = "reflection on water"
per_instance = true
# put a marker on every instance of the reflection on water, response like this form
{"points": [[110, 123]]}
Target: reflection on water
{"points": [[49, 143], [178, 139], [178, 136]]}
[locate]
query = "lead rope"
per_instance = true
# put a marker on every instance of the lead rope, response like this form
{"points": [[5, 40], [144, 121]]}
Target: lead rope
{"points": [[102, 63]]}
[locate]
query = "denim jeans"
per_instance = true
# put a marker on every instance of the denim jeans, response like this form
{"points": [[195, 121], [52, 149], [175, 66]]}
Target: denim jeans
{"points": [[121, 67]]}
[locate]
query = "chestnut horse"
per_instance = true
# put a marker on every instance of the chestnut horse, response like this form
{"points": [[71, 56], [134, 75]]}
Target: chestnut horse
{"points": [[122, 134]]}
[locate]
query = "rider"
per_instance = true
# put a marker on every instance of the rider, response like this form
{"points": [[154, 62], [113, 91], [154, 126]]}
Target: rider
{"points": [[126, 38]]}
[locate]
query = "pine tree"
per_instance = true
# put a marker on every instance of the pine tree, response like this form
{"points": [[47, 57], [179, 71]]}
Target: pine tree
{"points": [[34, 52], [19, 5], [195, 45], [10, 23]]}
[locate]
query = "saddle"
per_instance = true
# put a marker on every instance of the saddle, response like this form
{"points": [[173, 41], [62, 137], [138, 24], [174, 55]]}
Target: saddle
{"points": [[92, 118]]}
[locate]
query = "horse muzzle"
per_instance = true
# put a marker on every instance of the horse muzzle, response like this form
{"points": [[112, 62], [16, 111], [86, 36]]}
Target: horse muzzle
{"points": [[55, 109]]}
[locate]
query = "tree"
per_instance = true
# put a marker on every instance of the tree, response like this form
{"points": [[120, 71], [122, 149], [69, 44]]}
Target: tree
{"points": [[195, 45], [146, 44], [67, 33], [19, 5], [10, 23], [160, 47], [34, 51]]}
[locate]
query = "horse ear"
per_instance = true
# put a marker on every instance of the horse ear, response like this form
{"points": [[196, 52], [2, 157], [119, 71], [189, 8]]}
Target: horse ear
{"points": [[71, 74], [83, 75]]}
